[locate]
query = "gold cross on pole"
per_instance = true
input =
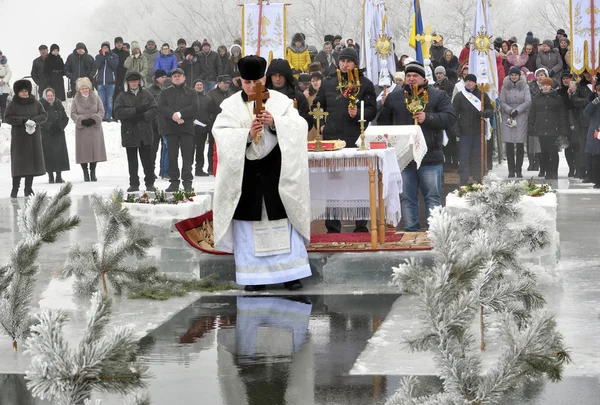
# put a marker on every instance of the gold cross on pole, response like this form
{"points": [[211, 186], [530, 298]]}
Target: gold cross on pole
{"points": [[426, 38], [317, 114]]}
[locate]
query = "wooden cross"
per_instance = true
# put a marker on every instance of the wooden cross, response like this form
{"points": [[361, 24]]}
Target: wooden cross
{"points": [[426, 38], [317, 114], [260, 94]]}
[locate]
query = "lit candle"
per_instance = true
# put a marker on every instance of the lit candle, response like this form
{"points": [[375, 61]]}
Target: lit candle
{"points": [[362, 110]]}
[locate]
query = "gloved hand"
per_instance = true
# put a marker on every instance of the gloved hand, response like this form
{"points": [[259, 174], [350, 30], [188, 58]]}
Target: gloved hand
{"points": [[140, 109], [88, 122], [513, 113], [30, 127], [596, 101], [30, 123]]}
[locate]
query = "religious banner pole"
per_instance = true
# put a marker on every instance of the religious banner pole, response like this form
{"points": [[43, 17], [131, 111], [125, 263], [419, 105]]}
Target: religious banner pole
{"points": [[260, 15]]}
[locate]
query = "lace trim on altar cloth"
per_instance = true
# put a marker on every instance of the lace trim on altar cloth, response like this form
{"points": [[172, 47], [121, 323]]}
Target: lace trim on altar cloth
{"points": [[353, 210]]}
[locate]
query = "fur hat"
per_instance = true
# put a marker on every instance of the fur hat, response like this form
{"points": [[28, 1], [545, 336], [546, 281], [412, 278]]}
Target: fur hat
{"points": [[83, 82], [159, 73], [133, 75], [549, 42], [22, 85], [349, 54], [189, 51], [53, 47], [515, 70], [314, 67], [181, 41], [547, 81], [471, 77], [415, 67], [328, 38], [252, 67], [440, 69], [298, 37]]}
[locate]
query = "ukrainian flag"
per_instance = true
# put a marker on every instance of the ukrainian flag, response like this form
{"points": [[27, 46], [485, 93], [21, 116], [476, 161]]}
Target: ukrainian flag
{"points": [[417, 28]]}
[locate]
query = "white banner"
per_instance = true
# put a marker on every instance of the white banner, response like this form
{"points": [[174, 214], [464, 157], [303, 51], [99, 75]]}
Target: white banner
{"points": [[482, 61], [374, 14], [581, 36], [272, 30]]}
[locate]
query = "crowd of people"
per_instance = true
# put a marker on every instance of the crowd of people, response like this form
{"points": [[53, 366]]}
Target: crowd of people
{"points": [[168, 99]]}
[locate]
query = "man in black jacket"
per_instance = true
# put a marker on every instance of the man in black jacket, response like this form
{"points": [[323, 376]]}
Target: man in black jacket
{"points": [[342, 122], [136, 108], [437, 117], [467, 106], [280, 78], [203, 121], [157, 87], [79, 64], [37, 70], [210, 65], [121, 69], [177, 105], [191, 66]]}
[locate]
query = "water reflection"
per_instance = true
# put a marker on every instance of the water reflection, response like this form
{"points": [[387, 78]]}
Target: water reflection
{"points": [[269, 350]]}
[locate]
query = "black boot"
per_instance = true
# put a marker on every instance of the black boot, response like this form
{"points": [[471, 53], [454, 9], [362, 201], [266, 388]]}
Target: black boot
{"points": [[59, 178], [28, 183], [86, 174], [93, 171], [531, 158], [50, 177], [519, 160], [15, 187]]}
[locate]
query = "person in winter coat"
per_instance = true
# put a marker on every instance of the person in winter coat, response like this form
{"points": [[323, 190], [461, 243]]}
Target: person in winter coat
{"points": [[460, 84], [223, 60], [437, 117], [451, 148], [548, 121], [87, 110], [465, 53], [37, 69], [79, 64], [5, 75], [316, 79], [580, 99], [343, 120], [565, 56], [210, 66], [166, 60], [106, 64], [54, 68], [515, 101], [451, 65], [501, 72], [136, 62], [437, 51], [160, 76], [327, 59], [516, 58], [56, 155], [177, 106], [122, 54], [530, 64], [566, 90], [442, 82], [549, 59], [180, 51], [280, 78], [150, 53], [202, 130], [297, 55], [221, 92], [236, 55], [533, 143], [25, 114], [135, 107], [469, 128], [191, 67], [592, 145]]}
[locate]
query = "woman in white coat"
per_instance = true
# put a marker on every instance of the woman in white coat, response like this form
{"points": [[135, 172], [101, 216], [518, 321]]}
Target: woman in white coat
{"points": [[515, 101]]}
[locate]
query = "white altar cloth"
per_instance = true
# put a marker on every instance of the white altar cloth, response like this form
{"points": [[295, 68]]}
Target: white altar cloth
{"points": [[339, 183], [407, 140]]}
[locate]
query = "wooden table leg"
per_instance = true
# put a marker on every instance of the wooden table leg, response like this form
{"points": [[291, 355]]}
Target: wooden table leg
{"points": [[373, 205], [381, 208]]}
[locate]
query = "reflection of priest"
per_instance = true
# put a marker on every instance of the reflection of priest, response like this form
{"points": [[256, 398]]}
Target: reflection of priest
{"points": [[262, 202]]}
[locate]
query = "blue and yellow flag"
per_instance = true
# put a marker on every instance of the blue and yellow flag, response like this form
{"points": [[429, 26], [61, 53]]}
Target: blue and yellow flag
{"points": [[417, 28]]}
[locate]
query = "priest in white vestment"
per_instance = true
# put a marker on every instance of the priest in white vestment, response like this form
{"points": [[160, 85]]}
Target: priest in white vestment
{"points": [[261, 205]]}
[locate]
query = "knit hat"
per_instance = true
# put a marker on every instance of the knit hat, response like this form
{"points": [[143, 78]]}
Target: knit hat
{"points": [[22, 85], [105, 43], [42, 47], [151, 41], [181, 41], [189, 51], [440, 69], [224, 79], [349, 54], [159, 73], [515, 70], [135, 45], [83, 82], [304, 78], [547, 81], [197, 43], [549, 42], [80, 45], [530, 76], [53, 47], [529, 38], [415, 67], [198, 81], [119, 39], [252, 67], [471, 78]]}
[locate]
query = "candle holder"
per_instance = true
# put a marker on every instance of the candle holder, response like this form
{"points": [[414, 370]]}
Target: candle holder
{"points": [[362, 135]]}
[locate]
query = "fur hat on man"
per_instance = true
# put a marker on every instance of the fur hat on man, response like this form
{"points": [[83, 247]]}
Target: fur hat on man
{"points": [[547, 81], [415, 67], [83, 82], [349, 54], [314, 67], [561, 32], [440, 69], [252, 67], [328, 38], [53, 47], [22, 85]]}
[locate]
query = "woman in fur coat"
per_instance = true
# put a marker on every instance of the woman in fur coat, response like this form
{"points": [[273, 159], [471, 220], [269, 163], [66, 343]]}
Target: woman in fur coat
{"points": [[54, 68]]}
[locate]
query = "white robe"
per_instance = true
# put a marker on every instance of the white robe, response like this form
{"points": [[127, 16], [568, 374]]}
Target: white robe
{"points": [[231, 130]]}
